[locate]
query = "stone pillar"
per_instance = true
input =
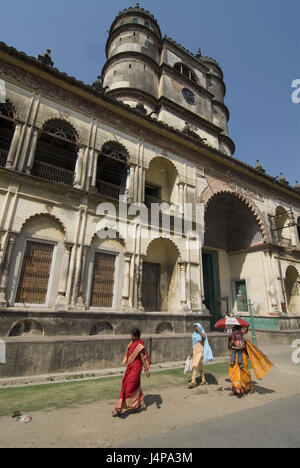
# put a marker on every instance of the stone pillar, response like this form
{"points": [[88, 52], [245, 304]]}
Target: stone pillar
{"points": [[5, 269], [181, 198], [130, 184], [126, 284], [79, 167], [80, 301], [94, 174], [61, 301], [139, 280], [14, 146], [32, 151], [183, 295]]}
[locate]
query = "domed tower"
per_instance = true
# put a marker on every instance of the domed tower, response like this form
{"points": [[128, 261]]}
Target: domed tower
{"points": [[131, 72]]}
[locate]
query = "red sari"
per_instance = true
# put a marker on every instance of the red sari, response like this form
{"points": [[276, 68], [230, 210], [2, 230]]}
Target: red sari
{"points": [[131, 396]]}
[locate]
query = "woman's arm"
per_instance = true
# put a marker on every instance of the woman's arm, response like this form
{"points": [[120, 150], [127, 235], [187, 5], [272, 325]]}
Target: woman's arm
{"points": [[144, 363], [202, 334], [239, 348]]}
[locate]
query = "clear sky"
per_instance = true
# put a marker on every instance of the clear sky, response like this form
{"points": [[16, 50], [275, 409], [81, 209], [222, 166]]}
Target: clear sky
{"points": [[257, 43]]}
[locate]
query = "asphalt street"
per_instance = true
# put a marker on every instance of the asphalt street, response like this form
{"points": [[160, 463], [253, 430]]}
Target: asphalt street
{"points": [[276, 425]]}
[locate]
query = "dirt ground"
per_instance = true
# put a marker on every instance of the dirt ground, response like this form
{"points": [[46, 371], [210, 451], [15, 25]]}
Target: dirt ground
{"points": [[92, 426]]}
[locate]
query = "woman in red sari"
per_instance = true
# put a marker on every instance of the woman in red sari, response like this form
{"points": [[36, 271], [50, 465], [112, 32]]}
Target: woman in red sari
{"points": [[136, 358]]}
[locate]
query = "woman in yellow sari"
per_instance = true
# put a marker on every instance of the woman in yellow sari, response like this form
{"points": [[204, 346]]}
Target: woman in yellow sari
{"points": [[239, 373]]}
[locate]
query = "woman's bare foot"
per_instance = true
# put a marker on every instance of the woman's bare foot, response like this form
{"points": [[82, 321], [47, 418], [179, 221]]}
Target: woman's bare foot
{"points": [[192, 385], [116, 414]]}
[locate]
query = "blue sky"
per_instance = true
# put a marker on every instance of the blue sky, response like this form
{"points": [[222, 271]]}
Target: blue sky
{"points": [[257, 43]]}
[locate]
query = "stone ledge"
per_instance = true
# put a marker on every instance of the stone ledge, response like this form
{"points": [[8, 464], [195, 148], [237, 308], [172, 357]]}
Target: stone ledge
{"points": [[278, 337], [48, 379], [35, 356]]}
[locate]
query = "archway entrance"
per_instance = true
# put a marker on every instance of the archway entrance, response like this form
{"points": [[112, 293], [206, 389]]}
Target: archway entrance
{"points": [[292, 281], [160, 277], [231, 229]]}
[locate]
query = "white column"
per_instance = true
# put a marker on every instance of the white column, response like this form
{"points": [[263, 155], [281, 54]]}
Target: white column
{"points": [[80, 302], [5, 270], [61, 298], [126, 283], [79, 167], [14, 146], [183, 295], [94, 174], [32, 151], [181, 198], [130, 183]]}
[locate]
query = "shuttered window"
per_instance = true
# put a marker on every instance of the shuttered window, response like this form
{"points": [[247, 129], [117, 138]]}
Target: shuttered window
{"points": [[34, 278], [103, 280]]}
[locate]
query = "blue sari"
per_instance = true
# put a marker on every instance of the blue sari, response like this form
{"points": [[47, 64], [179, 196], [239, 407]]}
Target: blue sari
{"points": [[197, 338]]}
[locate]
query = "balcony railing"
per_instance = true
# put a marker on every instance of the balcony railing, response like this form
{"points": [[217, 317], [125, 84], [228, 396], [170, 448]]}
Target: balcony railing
{"points": [[108, 190], [3, 158], [52, 173]]}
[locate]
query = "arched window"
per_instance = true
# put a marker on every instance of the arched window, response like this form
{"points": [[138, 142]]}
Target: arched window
{"points": [[56, 153], [282, 230], [185, 71], [112, 170], [7, 126]]}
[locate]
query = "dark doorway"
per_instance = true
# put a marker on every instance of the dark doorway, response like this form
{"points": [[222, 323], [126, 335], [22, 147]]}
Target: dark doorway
{"points": [[211, 285], [151, 287]]}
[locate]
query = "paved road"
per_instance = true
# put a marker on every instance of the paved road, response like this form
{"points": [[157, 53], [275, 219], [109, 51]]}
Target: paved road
{"points": [[276, 425]]}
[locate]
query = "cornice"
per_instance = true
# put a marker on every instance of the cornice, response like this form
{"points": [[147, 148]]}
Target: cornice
{"points": [[133, 55], [140, 11]]}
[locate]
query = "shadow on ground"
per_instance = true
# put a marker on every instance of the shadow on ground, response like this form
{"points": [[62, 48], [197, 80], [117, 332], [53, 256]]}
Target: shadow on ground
{"points": [[149, 401], [263, 390]]}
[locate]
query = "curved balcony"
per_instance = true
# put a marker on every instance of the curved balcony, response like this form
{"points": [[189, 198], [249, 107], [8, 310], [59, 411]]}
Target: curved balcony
{"points": [[108, 190]]}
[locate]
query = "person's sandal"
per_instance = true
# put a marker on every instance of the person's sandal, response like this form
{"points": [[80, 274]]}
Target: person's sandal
{"points": [[191, 386], [203, 383], [116, 414]]}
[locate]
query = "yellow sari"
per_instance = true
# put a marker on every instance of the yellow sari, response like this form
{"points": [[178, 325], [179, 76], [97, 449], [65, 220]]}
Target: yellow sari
{"points": [[241, 378]]}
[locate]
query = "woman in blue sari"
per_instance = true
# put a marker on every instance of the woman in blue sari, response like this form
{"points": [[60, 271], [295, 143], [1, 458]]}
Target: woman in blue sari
{"points": [[200, 355]]}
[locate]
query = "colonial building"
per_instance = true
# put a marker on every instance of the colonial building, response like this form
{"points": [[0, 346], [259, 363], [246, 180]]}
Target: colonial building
{"points": [[152, 129]]}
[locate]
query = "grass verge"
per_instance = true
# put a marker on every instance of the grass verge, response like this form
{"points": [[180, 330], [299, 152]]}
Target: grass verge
{"points": [[71, 394]]}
